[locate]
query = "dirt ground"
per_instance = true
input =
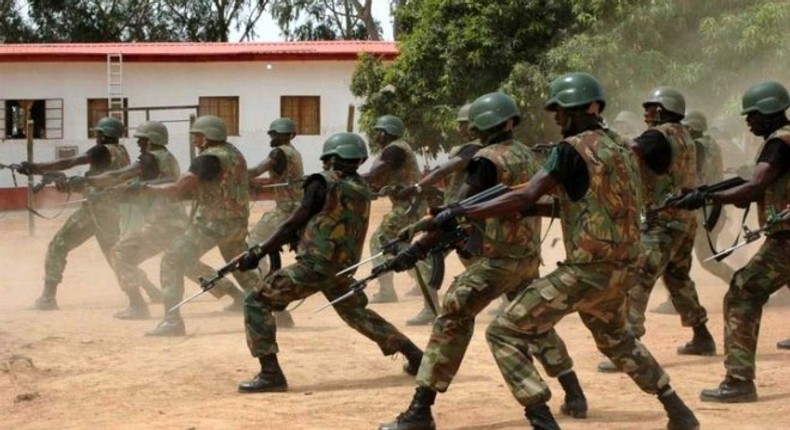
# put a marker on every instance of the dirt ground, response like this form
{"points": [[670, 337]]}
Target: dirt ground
{"points": [[80, 368]]}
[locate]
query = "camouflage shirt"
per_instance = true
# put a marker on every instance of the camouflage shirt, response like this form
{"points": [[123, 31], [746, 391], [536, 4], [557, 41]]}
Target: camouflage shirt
{"points": [[777, 195], [227, 196], [159, 208], [294, 171], [334, 237], [511, 235], [602, 225], [681, 173], [454, 181], [119, 158], [407, 174]]}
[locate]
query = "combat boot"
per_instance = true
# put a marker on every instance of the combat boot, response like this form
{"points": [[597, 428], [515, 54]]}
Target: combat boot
{"points": [[701, 344], [540, 417], [424, 317], [47, 301], [386, 292], [283, 319], [171, 326], [269, 380], [680, 416], [137, 309], [414, 356], [731, 390], [783, 344], [607, 366], [418, 415], [575, 403]]}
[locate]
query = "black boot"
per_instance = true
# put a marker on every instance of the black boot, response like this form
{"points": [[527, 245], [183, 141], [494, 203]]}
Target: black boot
{"points": [[418, 415], [137, 310], [701, 344], [171, 324], [575, 403], [414, 356], [731, 390], [680, 416], [47, 301], [540, 417], [783, 344], [269, 380]]}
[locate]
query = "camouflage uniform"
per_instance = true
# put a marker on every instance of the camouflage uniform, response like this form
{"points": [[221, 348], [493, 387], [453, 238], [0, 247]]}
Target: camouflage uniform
{"points": [[401, 214], [764, 274], [711, 171], [332, 240], [164, 221], [99, 216], [668, 237], [601, 234], [286, 199], [509, 259], [221, 215]]}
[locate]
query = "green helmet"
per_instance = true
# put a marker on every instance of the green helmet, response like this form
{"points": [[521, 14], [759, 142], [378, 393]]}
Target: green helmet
{"points": [[766, 97], [348, 146], [110, 127], [668, 98], [463, 113], [573, 90], [283, 126], [696, 121], [493, 109], [211, 126], [154, 131], [391, 124]]}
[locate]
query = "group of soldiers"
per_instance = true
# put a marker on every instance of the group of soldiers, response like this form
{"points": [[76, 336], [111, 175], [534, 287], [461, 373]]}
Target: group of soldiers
{"points": [[609, 192]]}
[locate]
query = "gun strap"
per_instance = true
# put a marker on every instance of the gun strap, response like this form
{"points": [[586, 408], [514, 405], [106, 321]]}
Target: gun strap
{"points": [[712, 247], [42, 216]]}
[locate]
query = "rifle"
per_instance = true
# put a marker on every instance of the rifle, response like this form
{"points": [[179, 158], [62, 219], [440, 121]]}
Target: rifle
{"points": [[672, 199], [12, 167], [281, 184], [49, 178], [206, 284], [447, 239], [750, 236]]}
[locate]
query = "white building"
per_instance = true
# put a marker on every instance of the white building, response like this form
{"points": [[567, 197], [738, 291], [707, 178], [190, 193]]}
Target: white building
{"points": [[65, 88]]}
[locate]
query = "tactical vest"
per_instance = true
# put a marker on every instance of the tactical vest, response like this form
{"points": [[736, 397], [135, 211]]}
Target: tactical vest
{"points": [[511, 235], [227, 196], [454, 181], [294, 170], [163, 208], [777, 195], [119, 158], [682, 173], [603, 225], [407, 174], [334, 237]]}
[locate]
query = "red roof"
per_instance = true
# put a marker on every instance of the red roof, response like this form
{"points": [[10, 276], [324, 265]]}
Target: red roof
{"points": [[195, 52]]}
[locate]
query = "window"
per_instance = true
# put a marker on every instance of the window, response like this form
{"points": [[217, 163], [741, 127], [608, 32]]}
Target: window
{"points": [[226, 108], [97, 109], [305, 111], [46, 114]]}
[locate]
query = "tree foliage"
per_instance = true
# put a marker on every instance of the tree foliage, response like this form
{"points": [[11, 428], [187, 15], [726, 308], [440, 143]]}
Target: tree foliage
{"points": [[326, 19]]}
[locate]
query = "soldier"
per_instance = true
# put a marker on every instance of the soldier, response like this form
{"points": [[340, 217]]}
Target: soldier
{"points": [[396, 166], [506, 260], [97, 217], [452, 173], [164, 220], [667, 161], [284, 166], [764, 105], [592, 175], [628, 124], [333, 217], [218, 182]]}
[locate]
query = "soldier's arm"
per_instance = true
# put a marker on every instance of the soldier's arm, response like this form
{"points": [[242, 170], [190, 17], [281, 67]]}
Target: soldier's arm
{"points": [[203, 168], [455, 164], [773, 161], [514, 201], [392, 158], [66, 163], [117, 176]]}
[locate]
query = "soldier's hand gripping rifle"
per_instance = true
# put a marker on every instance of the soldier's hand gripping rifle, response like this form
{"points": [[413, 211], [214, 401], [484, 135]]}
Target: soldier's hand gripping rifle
{"points": [[671, 201], [750, 236], [206, 284]]}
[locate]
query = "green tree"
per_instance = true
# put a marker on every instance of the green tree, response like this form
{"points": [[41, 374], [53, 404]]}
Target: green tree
{"points": [[326, 19], [13, 27]]}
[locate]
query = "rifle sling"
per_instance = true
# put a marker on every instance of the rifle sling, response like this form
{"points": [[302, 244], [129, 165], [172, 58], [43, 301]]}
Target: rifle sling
{"points": [[737, 237]]}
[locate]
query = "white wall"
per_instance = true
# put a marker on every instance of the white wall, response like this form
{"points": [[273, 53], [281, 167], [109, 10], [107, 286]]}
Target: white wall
{"points": [[160, 84]]}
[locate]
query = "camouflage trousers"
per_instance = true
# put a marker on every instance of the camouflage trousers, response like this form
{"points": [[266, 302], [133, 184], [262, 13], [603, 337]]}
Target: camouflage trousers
{"points": [[101, 221], [597, 291], [185, 251], [751, 286], [666, 253], [391, 224], [473, 290], [298, 281], [148, 241], [267, 225], [702, 250]]}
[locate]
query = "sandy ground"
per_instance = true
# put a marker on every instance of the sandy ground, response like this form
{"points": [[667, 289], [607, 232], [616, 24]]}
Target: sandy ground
{"points": [[79, 368]]}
